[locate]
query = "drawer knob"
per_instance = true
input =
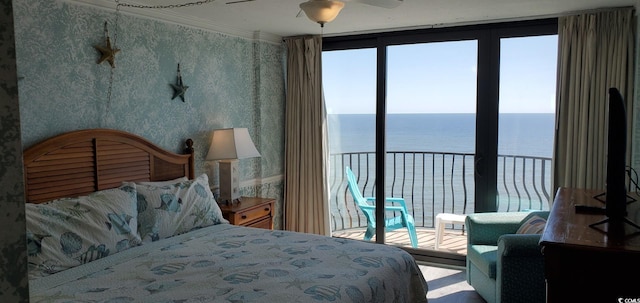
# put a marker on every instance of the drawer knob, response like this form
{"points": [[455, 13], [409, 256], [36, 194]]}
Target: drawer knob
{"points": [[244, 217], [266, 209]]}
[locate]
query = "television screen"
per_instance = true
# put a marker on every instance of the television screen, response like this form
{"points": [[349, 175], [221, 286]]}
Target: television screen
{"points": [[616, 194]]}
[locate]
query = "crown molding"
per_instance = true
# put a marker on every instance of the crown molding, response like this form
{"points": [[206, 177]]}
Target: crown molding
{"points": [[181, 19]]}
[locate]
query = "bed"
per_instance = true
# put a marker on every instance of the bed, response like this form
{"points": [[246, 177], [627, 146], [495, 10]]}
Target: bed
{"points": [[113, 218]]}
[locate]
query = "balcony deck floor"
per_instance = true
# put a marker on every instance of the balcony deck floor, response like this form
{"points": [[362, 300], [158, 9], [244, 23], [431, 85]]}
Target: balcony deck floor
{"points": [[453, 240]]}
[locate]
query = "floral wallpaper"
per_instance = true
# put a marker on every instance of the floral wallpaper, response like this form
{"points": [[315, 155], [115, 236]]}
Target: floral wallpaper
{"points": [[13, 250], [232, 82]]}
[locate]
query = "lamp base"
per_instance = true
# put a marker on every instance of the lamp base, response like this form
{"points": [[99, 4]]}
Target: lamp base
{"points": [[229, 188], [232, 202]]}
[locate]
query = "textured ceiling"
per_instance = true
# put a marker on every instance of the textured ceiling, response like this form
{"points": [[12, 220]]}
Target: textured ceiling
{"points": [[280, 18]]}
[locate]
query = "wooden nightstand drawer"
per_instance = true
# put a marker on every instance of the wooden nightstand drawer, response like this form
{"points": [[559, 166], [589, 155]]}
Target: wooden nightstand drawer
{"points": [[253, 212], [250, 215], [264, 223]]}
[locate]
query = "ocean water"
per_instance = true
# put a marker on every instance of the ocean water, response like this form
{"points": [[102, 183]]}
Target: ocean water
{"points": [[518, 134], [432, 181]]}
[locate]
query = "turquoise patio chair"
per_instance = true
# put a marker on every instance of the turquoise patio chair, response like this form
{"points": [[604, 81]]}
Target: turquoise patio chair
{"points": [[367, 205]]}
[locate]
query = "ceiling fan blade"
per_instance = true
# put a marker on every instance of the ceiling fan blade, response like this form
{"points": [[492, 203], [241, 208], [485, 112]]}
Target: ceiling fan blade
{"points": [[381, 3], [238, 1]]}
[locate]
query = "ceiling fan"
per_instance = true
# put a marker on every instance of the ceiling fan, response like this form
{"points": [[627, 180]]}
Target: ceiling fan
{"points": [[323, 11], [379, 3]]}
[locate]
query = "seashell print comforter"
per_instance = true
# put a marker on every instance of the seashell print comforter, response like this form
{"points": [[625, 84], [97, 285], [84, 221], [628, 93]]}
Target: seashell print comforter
{"points": [[227, 263]]}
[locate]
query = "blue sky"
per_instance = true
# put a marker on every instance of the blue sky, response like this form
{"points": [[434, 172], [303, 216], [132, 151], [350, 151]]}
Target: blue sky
{"points": [[441, 77]]}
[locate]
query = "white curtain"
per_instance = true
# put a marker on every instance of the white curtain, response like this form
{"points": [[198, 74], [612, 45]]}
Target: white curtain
{"points": [[596, 52], [306, 205]]}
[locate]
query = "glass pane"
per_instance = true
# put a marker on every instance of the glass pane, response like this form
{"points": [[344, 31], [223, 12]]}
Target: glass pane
{"points": [[526, 121], [431, 118], [349, 83]]}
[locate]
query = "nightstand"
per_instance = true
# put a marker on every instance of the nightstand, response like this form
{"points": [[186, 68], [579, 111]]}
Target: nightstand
{"points": [[250, 211]]}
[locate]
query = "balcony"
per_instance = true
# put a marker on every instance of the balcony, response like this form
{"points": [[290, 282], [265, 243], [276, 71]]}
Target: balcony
{"points": [[433, 183]]}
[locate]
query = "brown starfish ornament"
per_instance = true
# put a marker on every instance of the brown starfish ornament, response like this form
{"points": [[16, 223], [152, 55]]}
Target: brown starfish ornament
{"points": [[108, 53]]}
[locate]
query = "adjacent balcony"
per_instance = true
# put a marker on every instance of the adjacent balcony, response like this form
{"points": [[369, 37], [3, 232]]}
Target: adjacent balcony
{"points": [[433, 183]]}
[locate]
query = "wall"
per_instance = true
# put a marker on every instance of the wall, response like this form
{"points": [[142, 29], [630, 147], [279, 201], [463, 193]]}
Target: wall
{"points": [[13, 251], [233, 82]]}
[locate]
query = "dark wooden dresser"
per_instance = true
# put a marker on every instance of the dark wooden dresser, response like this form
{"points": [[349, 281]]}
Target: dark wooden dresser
{"points": [[589, 264]]}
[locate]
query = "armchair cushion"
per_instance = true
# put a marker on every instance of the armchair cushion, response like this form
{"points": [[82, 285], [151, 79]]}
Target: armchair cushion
{"points": [[484, 257], [519, 245], [486, 228], [501, 265], [520, 269]]}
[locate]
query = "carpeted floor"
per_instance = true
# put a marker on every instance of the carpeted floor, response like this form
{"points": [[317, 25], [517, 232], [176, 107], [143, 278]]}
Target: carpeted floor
{"points": [[448, 285]]}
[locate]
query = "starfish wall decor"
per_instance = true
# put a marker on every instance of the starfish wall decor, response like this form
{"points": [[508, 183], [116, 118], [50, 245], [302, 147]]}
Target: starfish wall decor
{"points": [[108, 53], [179, 89]]}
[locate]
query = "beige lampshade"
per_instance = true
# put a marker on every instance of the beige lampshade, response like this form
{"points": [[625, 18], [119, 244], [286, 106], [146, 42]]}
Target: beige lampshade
{"points": [[322, 11], [231, 143]]}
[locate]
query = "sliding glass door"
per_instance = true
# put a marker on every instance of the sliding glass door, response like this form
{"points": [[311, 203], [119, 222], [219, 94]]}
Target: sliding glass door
{"points": [[526, 122], [443, 119], [349, 77], [430, 131]]}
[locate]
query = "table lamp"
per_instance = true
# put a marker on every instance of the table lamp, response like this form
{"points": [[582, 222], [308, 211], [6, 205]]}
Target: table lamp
{"points": [[227, 146]]}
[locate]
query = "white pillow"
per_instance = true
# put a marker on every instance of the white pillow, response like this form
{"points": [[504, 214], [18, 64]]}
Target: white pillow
{"points": [[68, 232], [172, 209]]}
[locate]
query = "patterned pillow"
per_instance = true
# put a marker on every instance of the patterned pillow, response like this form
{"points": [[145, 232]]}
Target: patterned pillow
{"points": [[172, 209], [534, 225], [68, 232]]}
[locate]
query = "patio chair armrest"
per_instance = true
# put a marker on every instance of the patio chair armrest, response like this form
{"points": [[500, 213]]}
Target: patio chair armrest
{"points": [[395, 208], [396, 200], [372, 207], [391, 200]]}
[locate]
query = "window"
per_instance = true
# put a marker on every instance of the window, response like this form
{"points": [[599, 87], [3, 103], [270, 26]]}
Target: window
{"points": [[456, 92]]}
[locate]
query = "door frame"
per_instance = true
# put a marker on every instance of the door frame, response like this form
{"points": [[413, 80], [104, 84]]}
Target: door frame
{"points": [[488, 38]]}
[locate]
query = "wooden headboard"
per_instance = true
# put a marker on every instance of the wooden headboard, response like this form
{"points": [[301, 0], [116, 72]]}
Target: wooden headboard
{"points": [[80, 162]]}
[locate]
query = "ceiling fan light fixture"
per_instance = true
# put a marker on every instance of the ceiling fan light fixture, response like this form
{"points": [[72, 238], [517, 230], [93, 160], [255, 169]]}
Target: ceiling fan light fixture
{"points": [[322, 11]]}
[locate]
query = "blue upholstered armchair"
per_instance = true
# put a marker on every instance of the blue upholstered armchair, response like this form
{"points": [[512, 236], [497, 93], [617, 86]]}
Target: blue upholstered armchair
{"points": [[501, 265]]}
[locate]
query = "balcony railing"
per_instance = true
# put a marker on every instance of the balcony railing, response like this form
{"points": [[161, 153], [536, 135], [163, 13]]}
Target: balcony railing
{"points": [[436, 182]]}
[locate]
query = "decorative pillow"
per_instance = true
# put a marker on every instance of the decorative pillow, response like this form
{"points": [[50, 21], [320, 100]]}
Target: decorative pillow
{"points": [[172, 209], [68, 232], [533, 225]]}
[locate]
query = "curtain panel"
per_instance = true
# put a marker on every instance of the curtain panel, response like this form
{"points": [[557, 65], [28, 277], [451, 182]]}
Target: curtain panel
{"points": [[596, 52], [306, 205]]}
